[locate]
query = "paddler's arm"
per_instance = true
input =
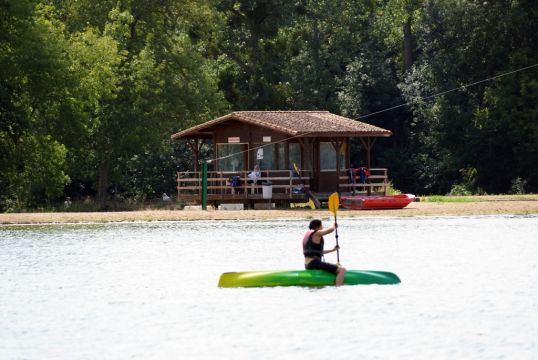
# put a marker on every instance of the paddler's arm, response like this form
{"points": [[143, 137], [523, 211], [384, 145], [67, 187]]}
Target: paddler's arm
{"points": [[332, 250], [326, 231]]}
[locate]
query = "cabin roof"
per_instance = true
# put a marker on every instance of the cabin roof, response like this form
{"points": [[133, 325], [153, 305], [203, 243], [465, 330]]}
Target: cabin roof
{"points": [[292, 123]]}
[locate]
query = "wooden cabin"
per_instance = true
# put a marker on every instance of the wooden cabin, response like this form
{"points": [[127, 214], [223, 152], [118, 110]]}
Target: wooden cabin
{"points": [[294, 150]]}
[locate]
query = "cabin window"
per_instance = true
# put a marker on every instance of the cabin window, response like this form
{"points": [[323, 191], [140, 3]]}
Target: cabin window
{"points": [[263, 155], [294, 154], [327, 157], [231, 157], [281, 156]]}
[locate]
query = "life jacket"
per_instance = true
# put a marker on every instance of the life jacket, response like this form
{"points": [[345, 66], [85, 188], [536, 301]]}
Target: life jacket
{"points": [[310, 248], [234, 181], [363, 170], [364, 173]]}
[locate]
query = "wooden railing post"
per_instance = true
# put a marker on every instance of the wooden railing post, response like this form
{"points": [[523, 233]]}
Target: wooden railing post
{"points": [[290, 190], [385, 182], [178, 186], [204, 186]]}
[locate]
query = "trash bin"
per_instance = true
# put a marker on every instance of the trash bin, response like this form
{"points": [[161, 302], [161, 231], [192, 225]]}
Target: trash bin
{"points": [[267, 190]]}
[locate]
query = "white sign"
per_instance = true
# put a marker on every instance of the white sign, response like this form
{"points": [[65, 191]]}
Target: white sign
{"points": [[234, 140], [266, 139], [259, 154]]}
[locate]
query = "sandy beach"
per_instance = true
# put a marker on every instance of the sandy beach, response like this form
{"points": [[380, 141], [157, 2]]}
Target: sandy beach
{"points": [[484, 206]]}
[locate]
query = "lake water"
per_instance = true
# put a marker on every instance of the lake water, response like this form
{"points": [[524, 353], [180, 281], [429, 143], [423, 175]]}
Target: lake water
{"points": [[148, 291]]}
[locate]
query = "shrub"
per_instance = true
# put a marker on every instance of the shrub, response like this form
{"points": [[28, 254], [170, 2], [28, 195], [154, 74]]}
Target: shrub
{"points": [[459, 190], [391, 190], [518, 186]]}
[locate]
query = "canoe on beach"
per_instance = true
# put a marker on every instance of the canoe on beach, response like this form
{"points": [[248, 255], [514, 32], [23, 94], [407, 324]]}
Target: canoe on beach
{"points": [[304, 278], [362, 202]]}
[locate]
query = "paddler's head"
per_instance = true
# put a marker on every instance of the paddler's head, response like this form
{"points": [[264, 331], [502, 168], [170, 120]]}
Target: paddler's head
{"points": [[315, 224]]}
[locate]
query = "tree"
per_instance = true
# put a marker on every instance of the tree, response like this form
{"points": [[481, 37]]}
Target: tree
{"points": [[252, 54], [395, 23], [44, 99], [164, 83], [325, 37]]}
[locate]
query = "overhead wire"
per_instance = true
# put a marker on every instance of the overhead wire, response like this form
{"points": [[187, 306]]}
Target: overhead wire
{"points": [[381, 111]]}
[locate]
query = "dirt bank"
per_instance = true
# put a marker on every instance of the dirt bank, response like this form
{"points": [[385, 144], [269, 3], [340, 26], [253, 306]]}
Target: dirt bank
{"points": [[487, 207]]}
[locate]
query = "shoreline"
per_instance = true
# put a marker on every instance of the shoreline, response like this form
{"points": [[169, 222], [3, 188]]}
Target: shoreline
{"points": [[416, 209]]}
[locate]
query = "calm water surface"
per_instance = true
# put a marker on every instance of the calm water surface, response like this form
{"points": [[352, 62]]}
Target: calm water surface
{"points": [[148, 291]]}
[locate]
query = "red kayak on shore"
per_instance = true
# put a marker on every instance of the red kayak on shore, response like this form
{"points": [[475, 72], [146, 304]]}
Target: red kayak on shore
{"points": [[363, 202]]}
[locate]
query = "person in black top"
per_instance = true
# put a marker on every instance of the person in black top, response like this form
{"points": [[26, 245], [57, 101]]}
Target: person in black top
{"points": [[313, 252]]}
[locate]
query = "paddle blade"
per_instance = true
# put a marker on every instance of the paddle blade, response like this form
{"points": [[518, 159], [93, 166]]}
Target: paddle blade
{"points": [[334, 203], [311, 204], [296, 169]]}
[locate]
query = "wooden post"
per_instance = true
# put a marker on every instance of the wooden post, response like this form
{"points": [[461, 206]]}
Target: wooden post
{"points": [[178, 186], [368, 144], [385, 182], [195, 146], [307, 159], [222, 185], [337, 144], [290, 190], [287, 164], [204, 185]]}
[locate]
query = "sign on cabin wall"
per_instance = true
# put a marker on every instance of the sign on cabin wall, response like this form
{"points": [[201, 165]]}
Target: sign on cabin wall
{"points": [[259, 154], [266, 139], [234, 140]]}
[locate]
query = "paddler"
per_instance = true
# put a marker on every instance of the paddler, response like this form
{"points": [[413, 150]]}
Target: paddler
{"points": [[313, 250]]}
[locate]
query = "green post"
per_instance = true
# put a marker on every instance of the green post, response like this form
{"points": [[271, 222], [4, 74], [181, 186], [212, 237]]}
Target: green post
{"points": [[204, 186]]}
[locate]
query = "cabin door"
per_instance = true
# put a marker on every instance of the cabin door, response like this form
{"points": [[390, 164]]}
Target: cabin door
{"points": [[328, 175]]}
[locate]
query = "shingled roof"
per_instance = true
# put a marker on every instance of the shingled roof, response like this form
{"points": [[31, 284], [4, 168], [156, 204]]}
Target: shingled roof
{"points": [[293, 123]]}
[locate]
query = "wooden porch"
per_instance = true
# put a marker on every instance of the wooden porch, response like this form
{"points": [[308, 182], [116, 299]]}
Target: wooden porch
{"points": [[286, 186]]}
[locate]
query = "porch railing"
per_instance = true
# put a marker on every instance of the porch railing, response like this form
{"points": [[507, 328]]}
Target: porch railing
{"points": [[376, 182], [286, 185], [220, 184]]}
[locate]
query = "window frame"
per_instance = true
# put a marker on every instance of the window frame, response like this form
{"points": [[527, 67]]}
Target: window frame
{"points": [[242, 153], [342, 157]]}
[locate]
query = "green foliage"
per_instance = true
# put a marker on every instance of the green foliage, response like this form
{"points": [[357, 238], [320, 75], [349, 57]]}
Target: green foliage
{"points": [[459, 190], [38, 175], [457, 198], [488, 128], [91, 91], [391, 190], [325, 38], [252, 54], [518, 186], [469, 185], [390, 19], [156, 79], [94, 85], [38, 91]]}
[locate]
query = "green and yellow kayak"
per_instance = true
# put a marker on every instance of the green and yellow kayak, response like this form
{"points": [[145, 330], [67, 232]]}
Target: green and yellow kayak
{"points": [[304, 278]]}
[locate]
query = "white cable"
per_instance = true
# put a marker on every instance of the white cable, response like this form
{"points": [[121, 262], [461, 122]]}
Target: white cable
{"points": [[384, 110]]}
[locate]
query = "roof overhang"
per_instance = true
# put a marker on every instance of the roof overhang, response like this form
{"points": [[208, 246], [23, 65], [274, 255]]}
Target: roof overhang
{"points": [[205, 130]]}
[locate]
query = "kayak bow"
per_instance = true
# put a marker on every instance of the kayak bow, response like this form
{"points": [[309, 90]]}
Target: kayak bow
{"points": [[304, 278]]}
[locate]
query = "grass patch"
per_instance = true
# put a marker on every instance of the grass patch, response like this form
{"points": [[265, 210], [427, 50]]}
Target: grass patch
{"points": [[449, 199], [478, 198]]}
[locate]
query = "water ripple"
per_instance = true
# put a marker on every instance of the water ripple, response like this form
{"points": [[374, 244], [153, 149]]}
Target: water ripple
{"points": [[148, 291]]}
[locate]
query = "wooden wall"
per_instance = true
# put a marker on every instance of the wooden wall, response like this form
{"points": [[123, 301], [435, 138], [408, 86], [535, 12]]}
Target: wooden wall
{"points": [[251, 136]]}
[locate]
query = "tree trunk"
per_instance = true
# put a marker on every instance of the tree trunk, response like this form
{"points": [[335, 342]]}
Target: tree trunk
{"points": [[407, 45], [102, 184]]}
